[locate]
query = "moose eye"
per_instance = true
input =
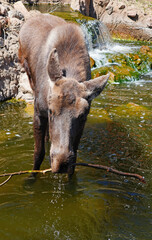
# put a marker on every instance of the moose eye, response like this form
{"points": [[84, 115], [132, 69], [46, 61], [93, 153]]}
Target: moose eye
{"points": [[50, 111]]}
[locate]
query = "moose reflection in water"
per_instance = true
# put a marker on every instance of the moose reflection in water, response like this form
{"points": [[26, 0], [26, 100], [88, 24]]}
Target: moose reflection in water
{"points": [[54, 55]]}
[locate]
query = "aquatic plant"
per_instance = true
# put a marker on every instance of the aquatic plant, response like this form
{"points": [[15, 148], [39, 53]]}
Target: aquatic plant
{"points": [[126, 67]]}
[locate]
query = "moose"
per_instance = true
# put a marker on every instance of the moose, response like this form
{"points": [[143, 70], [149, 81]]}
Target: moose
{"points": [[56, 60]]}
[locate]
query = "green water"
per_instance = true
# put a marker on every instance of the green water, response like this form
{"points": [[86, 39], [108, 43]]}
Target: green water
{"points": [[94, 204]]}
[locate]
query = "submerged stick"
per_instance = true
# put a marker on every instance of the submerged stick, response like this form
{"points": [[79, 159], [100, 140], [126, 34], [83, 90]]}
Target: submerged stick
{"points": [[22, 172], [112, 170], [108, 169], [6, 180]]}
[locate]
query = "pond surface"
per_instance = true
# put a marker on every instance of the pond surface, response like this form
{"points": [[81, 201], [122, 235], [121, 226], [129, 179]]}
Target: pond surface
{"points": [[93, 204]]}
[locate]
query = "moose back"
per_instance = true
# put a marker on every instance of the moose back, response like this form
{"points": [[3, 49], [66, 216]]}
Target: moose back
{"points": [[54, 55]]}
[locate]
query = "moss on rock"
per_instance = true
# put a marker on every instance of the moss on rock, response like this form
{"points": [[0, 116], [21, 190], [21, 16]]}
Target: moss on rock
{"points": [[72, 16], [127, 67]]}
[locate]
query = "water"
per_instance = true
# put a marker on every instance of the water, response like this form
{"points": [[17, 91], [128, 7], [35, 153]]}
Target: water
{"points": [[96, 34], [102, 56], [94, 204]]}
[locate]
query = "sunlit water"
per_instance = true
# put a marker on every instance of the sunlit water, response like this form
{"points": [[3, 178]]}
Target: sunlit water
{"points": [[101, 56], [94, 204]]}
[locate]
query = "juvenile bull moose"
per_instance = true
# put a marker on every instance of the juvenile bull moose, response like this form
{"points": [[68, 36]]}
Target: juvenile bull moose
{"points": [[54, 55]]}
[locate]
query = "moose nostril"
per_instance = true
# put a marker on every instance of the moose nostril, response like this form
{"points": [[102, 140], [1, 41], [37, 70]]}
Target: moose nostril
{"points": [[62, 162], [60, 168]]}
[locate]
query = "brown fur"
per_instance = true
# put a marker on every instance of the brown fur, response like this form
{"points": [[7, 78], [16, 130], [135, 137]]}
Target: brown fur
{"points": [[56, 60]]}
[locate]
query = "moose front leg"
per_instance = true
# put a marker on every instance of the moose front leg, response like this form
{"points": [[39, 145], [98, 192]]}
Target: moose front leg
{"points": [[40, 125]]}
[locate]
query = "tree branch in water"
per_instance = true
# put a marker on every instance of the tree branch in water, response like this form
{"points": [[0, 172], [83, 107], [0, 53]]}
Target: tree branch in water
{"points": [[108, 169]]}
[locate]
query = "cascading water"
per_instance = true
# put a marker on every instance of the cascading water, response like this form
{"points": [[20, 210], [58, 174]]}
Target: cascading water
{"points": [[99, 42], [107, 53], [96, 34]]}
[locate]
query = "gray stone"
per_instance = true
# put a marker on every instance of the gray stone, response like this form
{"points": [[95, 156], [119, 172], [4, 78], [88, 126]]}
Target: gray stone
{"points": [[109, 10], [122, 6], [3, 10], [149, 23], [132, 14], [9, 66], [102, 3], [81, 5]]}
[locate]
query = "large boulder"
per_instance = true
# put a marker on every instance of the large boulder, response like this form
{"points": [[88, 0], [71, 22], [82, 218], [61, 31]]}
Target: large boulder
{"points": [[127, 22], [125, 19], [81, 5], [13, 79], [10, 23]]}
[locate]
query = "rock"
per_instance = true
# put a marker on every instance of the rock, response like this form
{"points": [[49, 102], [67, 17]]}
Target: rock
{"points": [[121, 6], [132, 14], [18, 6], [15, 22], [98, 8], [102, 3], [24, 90], [3, 10], [149, 23], [109, 10], [125, 19], [81, 5], [9, 66], [15, 14], [24, 84]]}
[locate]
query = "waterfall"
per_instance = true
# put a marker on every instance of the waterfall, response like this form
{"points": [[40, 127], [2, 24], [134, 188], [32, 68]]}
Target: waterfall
{"points": [[100, 44], [96, 34]]}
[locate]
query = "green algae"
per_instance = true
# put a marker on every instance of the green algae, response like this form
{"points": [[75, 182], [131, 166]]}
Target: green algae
{"points": [[99, 114], [60, 10], [132, 110], [29, 109], [126, 67], [5, 135], [72, 16], [117, 73], [14, 101]]}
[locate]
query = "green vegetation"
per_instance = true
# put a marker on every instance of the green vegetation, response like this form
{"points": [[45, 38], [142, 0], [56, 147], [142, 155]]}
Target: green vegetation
{"points": [[127, 67], [72, 16], [14, 102]]}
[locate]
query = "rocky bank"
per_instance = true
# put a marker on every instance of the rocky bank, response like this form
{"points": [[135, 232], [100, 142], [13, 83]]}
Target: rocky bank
{"points": [[10, 23], [13, 79], [127, 19]]}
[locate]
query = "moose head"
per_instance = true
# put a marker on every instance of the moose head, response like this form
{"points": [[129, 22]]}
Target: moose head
{"points": [[68, 106]]}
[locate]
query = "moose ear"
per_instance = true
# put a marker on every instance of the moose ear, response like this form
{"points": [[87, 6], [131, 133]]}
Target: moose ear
{"points": [[95, 86], [53, 66]]}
